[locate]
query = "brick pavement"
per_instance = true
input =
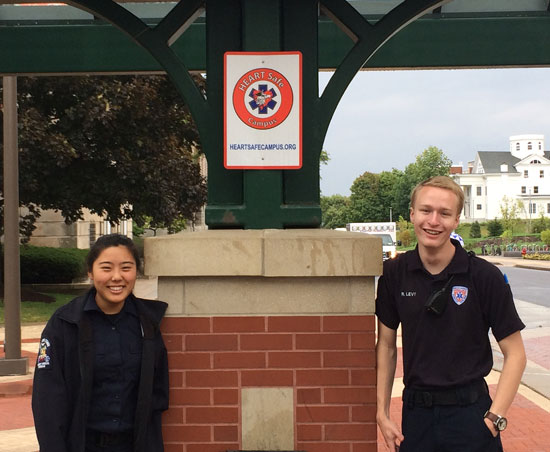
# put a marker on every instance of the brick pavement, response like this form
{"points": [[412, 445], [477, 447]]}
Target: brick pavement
{"points": [[529, 415], [538, 350], [528, 425]]}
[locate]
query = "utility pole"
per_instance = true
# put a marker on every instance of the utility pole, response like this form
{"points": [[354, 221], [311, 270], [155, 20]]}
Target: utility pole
{"points": [[12, 364]]}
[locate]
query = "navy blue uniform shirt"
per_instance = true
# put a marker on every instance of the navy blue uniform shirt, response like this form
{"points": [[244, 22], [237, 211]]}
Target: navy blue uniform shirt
{"points": [[117, 364], [452, 349]]}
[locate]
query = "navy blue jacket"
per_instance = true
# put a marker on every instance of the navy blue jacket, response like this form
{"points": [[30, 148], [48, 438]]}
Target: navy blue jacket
{"points": [[64, 375]]}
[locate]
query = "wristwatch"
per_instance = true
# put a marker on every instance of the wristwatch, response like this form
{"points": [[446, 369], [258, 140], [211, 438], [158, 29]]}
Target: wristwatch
{"points": [[499, 421]]}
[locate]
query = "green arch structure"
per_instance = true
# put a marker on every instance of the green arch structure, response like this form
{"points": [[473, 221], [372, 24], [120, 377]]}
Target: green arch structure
{"points": [[258, 199]]}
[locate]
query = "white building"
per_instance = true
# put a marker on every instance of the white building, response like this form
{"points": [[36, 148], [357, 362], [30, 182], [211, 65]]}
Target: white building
{"points": [[51, 229], [520, 174]]}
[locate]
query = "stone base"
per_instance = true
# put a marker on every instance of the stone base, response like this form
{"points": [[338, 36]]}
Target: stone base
{"points": [[270, 338], [18, 366]]}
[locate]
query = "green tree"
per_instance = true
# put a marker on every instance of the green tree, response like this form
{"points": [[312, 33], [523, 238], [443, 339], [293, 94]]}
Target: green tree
{"points": [[475, 230], [123, 146], [510, 209], [324, 158], [545, 236], [364, 201], [431, 162], [335, 211], [541, 223], [372, 196], [507, 235], [494, 228]]}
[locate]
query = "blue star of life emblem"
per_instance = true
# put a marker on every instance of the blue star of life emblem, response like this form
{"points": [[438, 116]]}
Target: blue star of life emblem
{"points": [[459, 294], [262, 99]]}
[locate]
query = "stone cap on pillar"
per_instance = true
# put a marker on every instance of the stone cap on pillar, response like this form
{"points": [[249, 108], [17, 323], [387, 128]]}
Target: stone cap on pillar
{"points": [[267, 253]]}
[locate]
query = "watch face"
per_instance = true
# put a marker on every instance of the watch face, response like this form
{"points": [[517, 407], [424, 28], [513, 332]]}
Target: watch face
{"points": [[501, 424]]}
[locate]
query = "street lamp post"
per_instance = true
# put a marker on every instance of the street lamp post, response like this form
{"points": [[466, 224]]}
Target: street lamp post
{"points": [[390, 216]]}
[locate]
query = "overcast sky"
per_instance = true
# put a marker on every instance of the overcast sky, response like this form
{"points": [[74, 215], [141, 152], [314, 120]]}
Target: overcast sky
{"points": [[387, 118]]}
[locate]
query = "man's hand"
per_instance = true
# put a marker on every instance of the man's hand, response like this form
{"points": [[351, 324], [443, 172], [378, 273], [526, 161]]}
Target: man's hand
{"points": [[392, 434], [491, 426]]}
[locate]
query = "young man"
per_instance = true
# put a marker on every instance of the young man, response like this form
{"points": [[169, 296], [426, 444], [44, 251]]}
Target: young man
{"points": [[445, 301]]}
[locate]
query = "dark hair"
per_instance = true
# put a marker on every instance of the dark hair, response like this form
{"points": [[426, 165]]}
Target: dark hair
{"points": [[107, 241]]}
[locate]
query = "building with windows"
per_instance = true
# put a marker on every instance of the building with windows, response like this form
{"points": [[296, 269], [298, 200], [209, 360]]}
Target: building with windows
{"points": [[520, 175], [51, 229]]}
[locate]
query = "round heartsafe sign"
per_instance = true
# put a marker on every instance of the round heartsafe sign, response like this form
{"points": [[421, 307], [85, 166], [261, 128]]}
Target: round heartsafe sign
{"points": [[262, 98]]}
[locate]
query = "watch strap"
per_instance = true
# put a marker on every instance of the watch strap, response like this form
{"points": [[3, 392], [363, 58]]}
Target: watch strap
{"points": [[496, 420]]}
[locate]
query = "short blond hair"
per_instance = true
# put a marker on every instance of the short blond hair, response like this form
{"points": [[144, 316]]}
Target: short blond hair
{"points": [[444, 182]]}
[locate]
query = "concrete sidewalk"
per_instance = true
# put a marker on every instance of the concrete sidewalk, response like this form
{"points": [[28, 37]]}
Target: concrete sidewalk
{"points": [[529, 416]]}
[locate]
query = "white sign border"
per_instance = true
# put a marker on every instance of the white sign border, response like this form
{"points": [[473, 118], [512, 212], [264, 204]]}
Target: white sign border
{"points": [[295, 110]]}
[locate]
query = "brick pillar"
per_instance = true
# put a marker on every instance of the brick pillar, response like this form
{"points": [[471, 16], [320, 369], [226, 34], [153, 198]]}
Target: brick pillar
{"points": [[270, 337]]}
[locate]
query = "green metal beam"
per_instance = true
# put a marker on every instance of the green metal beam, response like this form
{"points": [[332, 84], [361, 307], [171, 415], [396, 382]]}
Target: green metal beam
{"points": [[432, 42], [346, 42]]}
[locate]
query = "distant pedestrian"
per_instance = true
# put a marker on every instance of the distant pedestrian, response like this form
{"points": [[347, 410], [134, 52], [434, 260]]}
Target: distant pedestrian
{"points": [[445, 300], [101, 377]]}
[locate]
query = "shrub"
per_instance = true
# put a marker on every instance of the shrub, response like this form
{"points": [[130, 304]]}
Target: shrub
{"points": [[507, 235], [545, 237], [541, 224], [537, 257], [45, 265], [475, 230], [494, 227], [405, 237]]}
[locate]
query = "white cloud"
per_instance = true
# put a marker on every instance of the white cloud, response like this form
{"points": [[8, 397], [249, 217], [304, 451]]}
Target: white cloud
{"points": [[386, 118]]}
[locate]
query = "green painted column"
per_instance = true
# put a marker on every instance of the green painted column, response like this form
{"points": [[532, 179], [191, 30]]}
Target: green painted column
{"points": [[260, 199]]}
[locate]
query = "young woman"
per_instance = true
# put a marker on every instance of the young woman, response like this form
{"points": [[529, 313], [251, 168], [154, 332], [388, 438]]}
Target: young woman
{"points": [[101, 377]]}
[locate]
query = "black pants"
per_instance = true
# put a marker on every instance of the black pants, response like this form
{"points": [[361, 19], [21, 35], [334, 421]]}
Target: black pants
{"points": [[448, 428]]}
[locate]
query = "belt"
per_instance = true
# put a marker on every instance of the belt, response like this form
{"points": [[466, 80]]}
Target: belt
{"points": [[103, 439], [459, 395]]}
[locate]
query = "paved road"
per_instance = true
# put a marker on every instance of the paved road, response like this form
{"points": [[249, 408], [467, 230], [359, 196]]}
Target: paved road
{"points": [[527, 284]]}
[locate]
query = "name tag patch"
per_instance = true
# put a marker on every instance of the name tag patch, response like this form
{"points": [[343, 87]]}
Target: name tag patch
{"points": [[459, 294]]}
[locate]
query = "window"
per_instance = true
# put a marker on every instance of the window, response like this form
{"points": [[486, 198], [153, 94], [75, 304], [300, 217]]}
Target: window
{"points": [[478, 191], [523, 189], [540, 146], [529, 146], [548, 208], [93, 236], [541, 174], [535, 162], [517, 146], [526, 173], [478, 206], [535, 189], [532, 208]]}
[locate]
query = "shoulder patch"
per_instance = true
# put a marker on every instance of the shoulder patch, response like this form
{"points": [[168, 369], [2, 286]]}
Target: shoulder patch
{"points": [[43, 359], [459, 294]]}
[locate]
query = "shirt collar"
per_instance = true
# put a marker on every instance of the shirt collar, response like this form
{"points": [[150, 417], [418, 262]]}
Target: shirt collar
{"points": [[91, 305], [459, 262]]}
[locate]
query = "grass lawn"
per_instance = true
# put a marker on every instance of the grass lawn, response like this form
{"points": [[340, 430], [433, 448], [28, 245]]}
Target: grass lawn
{"points": [[39, 312]]}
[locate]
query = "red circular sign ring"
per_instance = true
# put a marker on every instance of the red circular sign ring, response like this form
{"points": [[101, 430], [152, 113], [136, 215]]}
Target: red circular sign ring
{"points": [[279, 90]]}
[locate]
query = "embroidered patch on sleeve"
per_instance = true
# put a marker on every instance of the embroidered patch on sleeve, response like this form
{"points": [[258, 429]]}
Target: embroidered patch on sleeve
{"points": [[43, 359]]}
